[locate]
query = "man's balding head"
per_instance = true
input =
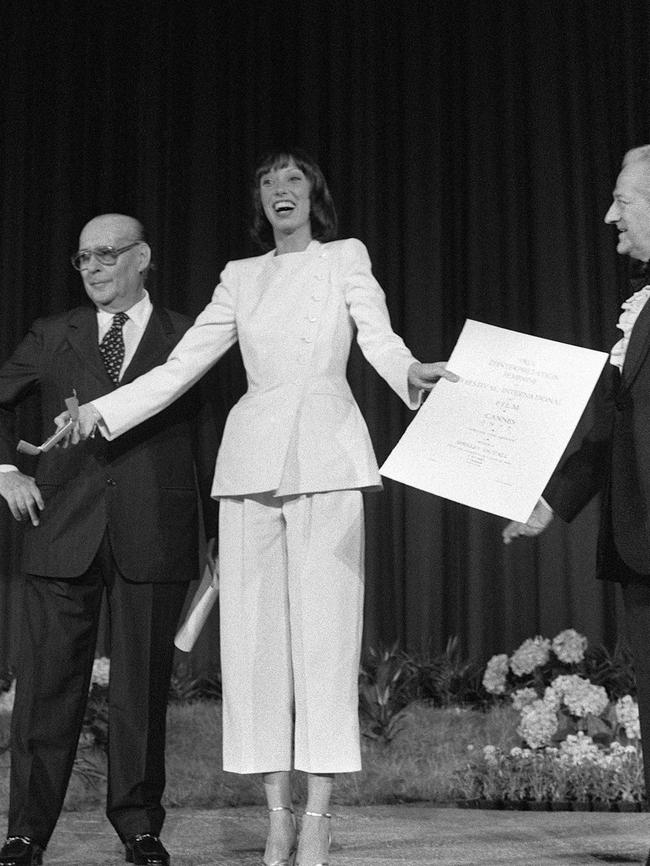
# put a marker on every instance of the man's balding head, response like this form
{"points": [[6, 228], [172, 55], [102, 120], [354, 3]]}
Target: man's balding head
{"points": [[114, 287]]}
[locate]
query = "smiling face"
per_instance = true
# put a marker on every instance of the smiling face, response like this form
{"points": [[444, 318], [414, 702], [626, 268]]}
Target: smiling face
{"points": [[285, 194], [117, 287], [630, 211]]}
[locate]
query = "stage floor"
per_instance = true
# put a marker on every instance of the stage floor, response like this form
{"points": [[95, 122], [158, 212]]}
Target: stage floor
{"points": [[377, 836]]}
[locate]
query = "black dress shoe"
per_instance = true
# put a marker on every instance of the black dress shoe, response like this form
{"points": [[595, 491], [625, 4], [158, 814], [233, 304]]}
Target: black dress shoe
{"points": [[20, 851], [144, 850]]}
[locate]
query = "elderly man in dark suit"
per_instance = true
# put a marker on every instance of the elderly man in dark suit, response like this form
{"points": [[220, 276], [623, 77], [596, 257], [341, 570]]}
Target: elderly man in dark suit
{"points": [[614, 457], [117, 518]]}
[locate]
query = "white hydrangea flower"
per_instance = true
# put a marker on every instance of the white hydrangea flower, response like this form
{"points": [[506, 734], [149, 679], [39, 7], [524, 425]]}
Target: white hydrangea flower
{"points": [[538, 724], [564, 682], [569, 646], [627, 714], [579, 748], [101, 671], [494, 678], [491, 754], [532, 653], [580, 696], [522, 697], [592, 700], [552, 697]]}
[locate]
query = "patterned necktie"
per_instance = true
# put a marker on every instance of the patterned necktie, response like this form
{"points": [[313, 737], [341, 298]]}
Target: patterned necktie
{"points": [[111, 347]]}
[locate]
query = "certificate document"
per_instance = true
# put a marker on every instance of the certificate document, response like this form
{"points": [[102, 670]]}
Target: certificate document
{"points": [[492, 440]]}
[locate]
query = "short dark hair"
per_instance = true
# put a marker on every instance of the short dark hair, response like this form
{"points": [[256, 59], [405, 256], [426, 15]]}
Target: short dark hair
{"points": [[324, 223]]}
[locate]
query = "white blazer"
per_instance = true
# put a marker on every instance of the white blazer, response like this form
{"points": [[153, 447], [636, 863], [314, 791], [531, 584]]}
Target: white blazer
{"points": [[297, 429]]}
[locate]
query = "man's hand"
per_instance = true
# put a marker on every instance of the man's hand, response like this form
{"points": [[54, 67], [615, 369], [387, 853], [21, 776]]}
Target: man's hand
{"points": [[22, 495], [84, 427], [536, 523], [425, 376]]}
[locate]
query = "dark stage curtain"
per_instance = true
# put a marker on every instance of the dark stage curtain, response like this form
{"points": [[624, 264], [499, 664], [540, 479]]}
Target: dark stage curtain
{"points": [[473, 148]]}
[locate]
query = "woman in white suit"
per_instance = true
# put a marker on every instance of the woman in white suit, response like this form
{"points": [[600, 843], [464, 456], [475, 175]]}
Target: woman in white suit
{"points": [[294, 459]]}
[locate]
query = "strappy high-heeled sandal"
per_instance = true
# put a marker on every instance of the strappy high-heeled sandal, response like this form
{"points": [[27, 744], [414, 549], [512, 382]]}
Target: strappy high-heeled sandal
{"points": [[290, 859], [329, 838]]}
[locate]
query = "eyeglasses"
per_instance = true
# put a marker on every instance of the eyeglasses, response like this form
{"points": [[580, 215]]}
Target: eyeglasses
{"points": [[105, 255]]}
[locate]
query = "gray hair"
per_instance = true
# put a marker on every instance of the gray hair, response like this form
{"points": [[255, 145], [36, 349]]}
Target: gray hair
{"points": [[640, 155], [637, 154]]}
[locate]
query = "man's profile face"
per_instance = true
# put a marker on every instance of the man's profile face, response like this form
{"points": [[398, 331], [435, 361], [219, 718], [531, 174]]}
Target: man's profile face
{"points": [[630, 211], [113, 287]]}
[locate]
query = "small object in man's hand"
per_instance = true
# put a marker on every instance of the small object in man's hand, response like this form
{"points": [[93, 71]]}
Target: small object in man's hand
{"points": [[72, 404]]}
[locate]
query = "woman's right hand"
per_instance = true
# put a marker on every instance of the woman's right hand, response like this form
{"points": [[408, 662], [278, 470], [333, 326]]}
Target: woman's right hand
{"points": [[83, 428]]}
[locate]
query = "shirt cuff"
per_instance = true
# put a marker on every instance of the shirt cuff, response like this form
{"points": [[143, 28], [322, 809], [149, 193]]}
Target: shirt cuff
{"points": [[101, 424], [7, 467]]}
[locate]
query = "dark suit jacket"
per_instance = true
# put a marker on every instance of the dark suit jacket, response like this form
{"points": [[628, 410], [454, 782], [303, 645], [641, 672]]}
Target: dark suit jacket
{"points": [[142, 487], [614, 458]]}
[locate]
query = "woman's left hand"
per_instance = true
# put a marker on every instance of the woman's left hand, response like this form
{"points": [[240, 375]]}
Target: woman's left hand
{"points": [[425, 376]]}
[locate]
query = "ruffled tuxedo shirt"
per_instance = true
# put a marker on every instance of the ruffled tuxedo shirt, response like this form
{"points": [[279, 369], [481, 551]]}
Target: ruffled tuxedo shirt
{"points": [[631, 309]]}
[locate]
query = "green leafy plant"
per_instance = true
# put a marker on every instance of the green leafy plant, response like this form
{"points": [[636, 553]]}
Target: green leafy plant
{"points": [[386, 681], [577, 772], [613, 670], [449, 679]]}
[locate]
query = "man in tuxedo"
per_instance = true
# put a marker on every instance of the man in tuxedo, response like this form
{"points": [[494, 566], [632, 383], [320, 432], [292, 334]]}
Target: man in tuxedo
{"points": [[614, 456], [119, 518]]}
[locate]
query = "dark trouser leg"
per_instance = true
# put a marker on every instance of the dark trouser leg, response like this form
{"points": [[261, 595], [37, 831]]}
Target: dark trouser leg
{"points": [[57, 647], [143, 621], [636, 597]]}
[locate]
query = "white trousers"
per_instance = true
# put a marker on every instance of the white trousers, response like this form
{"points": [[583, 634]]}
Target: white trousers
{"points": [[291, 607]]}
